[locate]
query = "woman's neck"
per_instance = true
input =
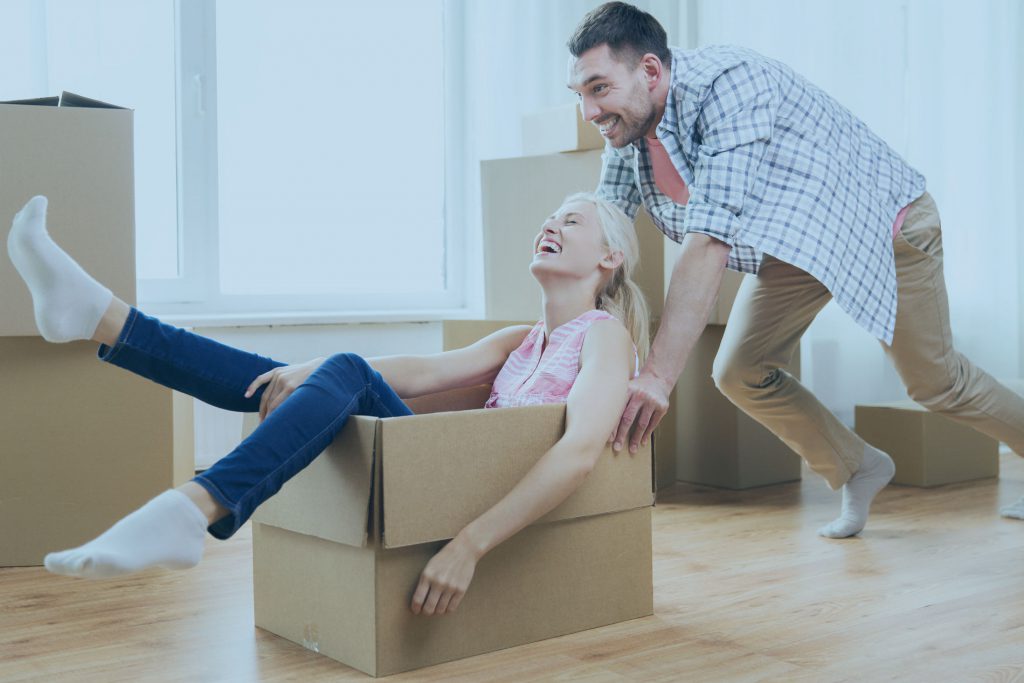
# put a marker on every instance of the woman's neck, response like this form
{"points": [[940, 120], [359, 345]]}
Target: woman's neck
{"points": [[564, 305]]}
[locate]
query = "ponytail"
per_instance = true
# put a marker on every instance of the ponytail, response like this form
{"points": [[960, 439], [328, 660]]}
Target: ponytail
{"points": [[621, 296]]}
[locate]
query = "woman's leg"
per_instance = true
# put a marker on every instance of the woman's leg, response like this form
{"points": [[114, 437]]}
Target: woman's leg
{"points": [[167, 531], [70, 305]]}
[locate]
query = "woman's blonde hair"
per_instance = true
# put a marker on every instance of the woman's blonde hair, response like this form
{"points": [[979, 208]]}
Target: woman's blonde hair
{"points": [[621, 296]]}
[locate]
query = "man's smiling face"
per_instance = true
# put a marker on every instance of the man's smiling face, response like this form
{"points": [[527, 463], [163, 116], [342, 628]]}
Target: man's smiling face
{"points": [[614, 95]]}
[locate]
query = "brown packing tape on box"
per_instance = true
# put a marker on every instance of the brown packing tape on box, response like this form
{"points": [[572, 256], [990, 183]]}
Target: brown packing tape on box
{"points": [[80, 156]]}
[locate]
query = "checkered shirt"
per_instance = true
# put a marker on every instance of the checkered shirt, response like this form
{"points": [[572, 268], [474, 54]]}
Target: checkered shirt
{"points": [[774, 166]]}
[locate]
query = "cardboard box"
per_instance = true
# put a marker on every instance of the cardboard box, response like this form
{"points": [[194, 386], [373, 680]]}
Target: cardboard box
{"points": [[559, 129], [84, 443], [78, 152], [714, 442], [517, 196], [338, 551], [456, 334], [928, 449], [731, 281]]}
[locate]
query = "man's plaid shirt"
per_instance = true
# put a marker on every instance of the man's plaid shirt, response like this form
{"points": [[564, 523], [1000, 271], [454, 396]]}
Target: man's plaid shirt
{"points": [[774, 166]]}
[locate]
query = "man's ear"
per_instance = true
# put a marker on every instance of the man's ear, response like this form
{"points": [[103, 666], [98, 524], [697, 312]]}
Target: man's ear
{"points": [[652, 68]]}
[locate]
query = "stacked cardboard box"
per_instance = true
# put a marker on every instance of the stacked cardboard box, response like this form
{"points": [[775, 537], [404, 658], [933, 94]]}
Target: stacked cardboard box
{"points": [[339, 550], [722, 448], [928, 449], [84, 444]]}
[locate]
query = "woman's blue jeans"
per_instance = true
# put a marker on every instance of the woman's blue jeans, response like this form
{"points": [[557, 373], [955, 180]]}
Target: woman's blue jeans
{"points": [[287, 440]]}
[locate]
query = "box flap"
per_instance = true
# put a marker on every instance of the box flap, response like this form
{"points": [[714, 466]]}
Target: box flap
{"points": [[469, 398], [442, 471], [65, 99], [52, 101], [339, 480]]}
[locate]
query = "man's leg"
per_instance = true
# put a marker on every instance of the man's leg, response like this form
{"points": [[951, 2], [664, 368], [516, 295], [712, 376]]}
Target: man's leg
{"points": [[771, 313], [936, 375]]}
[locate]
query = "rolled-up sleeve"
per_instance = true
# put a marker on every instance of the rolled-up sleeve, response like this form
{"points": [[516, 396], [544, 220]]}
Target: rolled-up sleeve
{"points": [[618, 183], [734, 129]]}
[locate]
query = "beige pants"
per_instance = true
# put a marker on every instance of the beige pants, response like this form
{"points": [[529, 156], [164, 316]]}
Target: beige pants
{"points": [[774, 309]]}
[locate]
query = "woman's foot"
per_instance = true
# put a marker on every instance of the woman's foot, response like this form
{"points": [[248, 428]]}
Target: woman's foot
{"points": [[68, 303], [168, 531], [876, 470]]}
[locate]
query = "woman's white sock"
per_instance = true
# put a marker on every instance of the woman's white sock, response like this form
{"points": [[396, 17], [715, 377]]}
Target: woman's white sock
{"points": [[876, 470], [68, 302], [168, 531]]}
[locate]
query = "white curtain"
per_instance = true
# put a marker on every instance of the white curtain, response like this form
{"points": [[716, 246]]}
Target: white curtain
{"points": [[514, 63], [941, 83]]}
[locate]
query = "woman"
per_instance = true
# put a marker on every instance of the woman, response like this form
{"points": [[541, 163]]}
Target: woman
{"points": [[580, 354]]}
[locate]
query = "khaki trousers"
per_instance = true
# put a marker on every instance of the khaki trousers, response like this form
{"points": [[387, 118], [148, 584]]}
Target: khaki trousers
{"points": [[774, 309]]}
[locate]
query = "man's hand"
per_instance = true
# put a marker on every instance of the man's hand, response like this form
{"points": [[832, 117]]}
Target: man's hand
{"points": [[648, 403], [281, 382], [445, 579]]}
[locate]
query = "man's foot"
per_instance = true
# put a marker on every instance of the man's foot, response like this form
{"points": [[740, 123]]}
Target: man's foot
{"points": [[68, 303], [876, 470], [1015, 511], [168, 532]]}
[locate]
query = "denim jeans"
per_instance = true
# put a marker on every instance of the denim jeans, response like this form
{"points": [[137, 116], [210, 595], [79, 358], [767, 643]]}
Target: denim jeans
{"points": [[284, 443]]}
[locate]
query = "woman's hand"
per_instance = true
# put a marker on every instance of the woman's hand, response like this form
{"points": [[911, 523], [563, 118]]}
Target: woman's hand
{"points": [[445, 579], [281, 382]]}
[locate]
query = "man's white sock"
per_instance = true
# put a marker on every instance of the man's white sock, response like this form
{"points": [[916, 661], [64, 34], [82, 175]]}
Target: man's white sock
{"points": [[68, 303], [1015, 511], [168, 531], [876, 470]]}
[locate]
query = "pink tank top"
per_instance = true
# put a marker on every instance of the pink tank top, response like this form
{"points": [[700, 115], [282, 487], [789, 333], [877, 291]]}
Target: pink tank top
{"points": [[671, 184], [535, 374]]}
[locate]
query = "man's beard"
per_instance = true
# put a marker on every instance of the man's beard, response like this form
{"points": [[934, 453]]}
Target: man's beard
{"points": [[635, 123]]}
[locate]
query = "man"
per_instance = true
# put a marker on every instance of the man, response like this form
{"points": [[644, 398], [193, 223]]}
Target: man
{"points": [[751, 167]]}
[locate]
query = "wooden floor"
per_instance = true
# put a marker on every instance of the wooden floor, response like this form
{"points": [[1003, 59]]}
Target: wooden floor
{"points": [[744, 591]]}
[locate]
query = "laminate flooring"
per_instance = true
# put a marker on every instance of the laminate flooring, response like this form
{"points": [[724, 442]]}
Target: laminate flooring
{"points": [[744, 591]]}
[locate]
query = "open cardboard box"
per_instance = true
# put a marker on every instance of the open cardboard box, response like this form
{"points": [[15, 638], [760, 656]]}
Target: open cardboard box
{"points": [[338, 551]]}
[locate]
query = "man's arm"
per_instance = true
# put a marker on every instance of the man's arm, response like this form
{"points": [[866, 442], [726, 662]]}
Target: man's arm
{"points": [[735, 129], [693, 287]]}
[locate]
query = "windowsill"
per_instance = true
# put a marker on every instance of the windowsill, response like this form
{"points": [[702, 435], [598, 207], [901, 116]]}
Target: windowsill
{"points": [[283, 318]]}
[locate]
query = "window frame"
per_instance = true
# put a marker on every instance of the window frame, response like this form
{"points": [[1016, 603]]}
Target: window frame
{"points": [[195, 294]]}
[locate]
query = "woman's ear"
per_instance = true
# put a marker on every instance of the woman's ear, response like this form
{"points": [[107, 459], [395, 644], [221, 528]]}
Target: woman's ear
{"points": [[612, 260]]}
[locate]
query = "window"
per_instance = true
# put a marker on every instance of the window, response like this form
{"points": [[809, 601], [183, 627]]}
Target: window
{"points": [[290, 157], [312, 159]]}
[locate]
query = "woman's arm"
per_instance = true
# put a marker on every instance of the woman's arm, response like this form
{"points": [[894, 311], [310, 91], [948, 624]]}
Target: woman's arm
{"points": [[409, 376], [478, 363], [593, 408]]}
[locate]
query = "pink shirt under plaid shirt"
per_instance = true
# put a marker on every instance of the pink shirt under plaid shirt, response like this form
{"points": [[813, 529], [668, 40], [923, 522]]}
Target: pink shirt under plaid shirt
{"points": [[533, 374]]}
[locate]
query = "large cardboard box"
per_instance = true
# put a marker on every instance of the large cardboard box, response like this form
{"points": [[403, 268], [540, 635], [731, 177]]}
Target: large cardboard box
{"points": [[928, 449], [559, 129], [337, 553], [518, 194], [714, 442], [78, 152], [83, 443]]}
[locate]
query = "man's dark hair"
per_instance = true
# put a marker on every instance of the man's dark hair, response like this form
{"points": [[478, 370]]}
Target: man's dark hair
{"points": [[629, 32]]}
